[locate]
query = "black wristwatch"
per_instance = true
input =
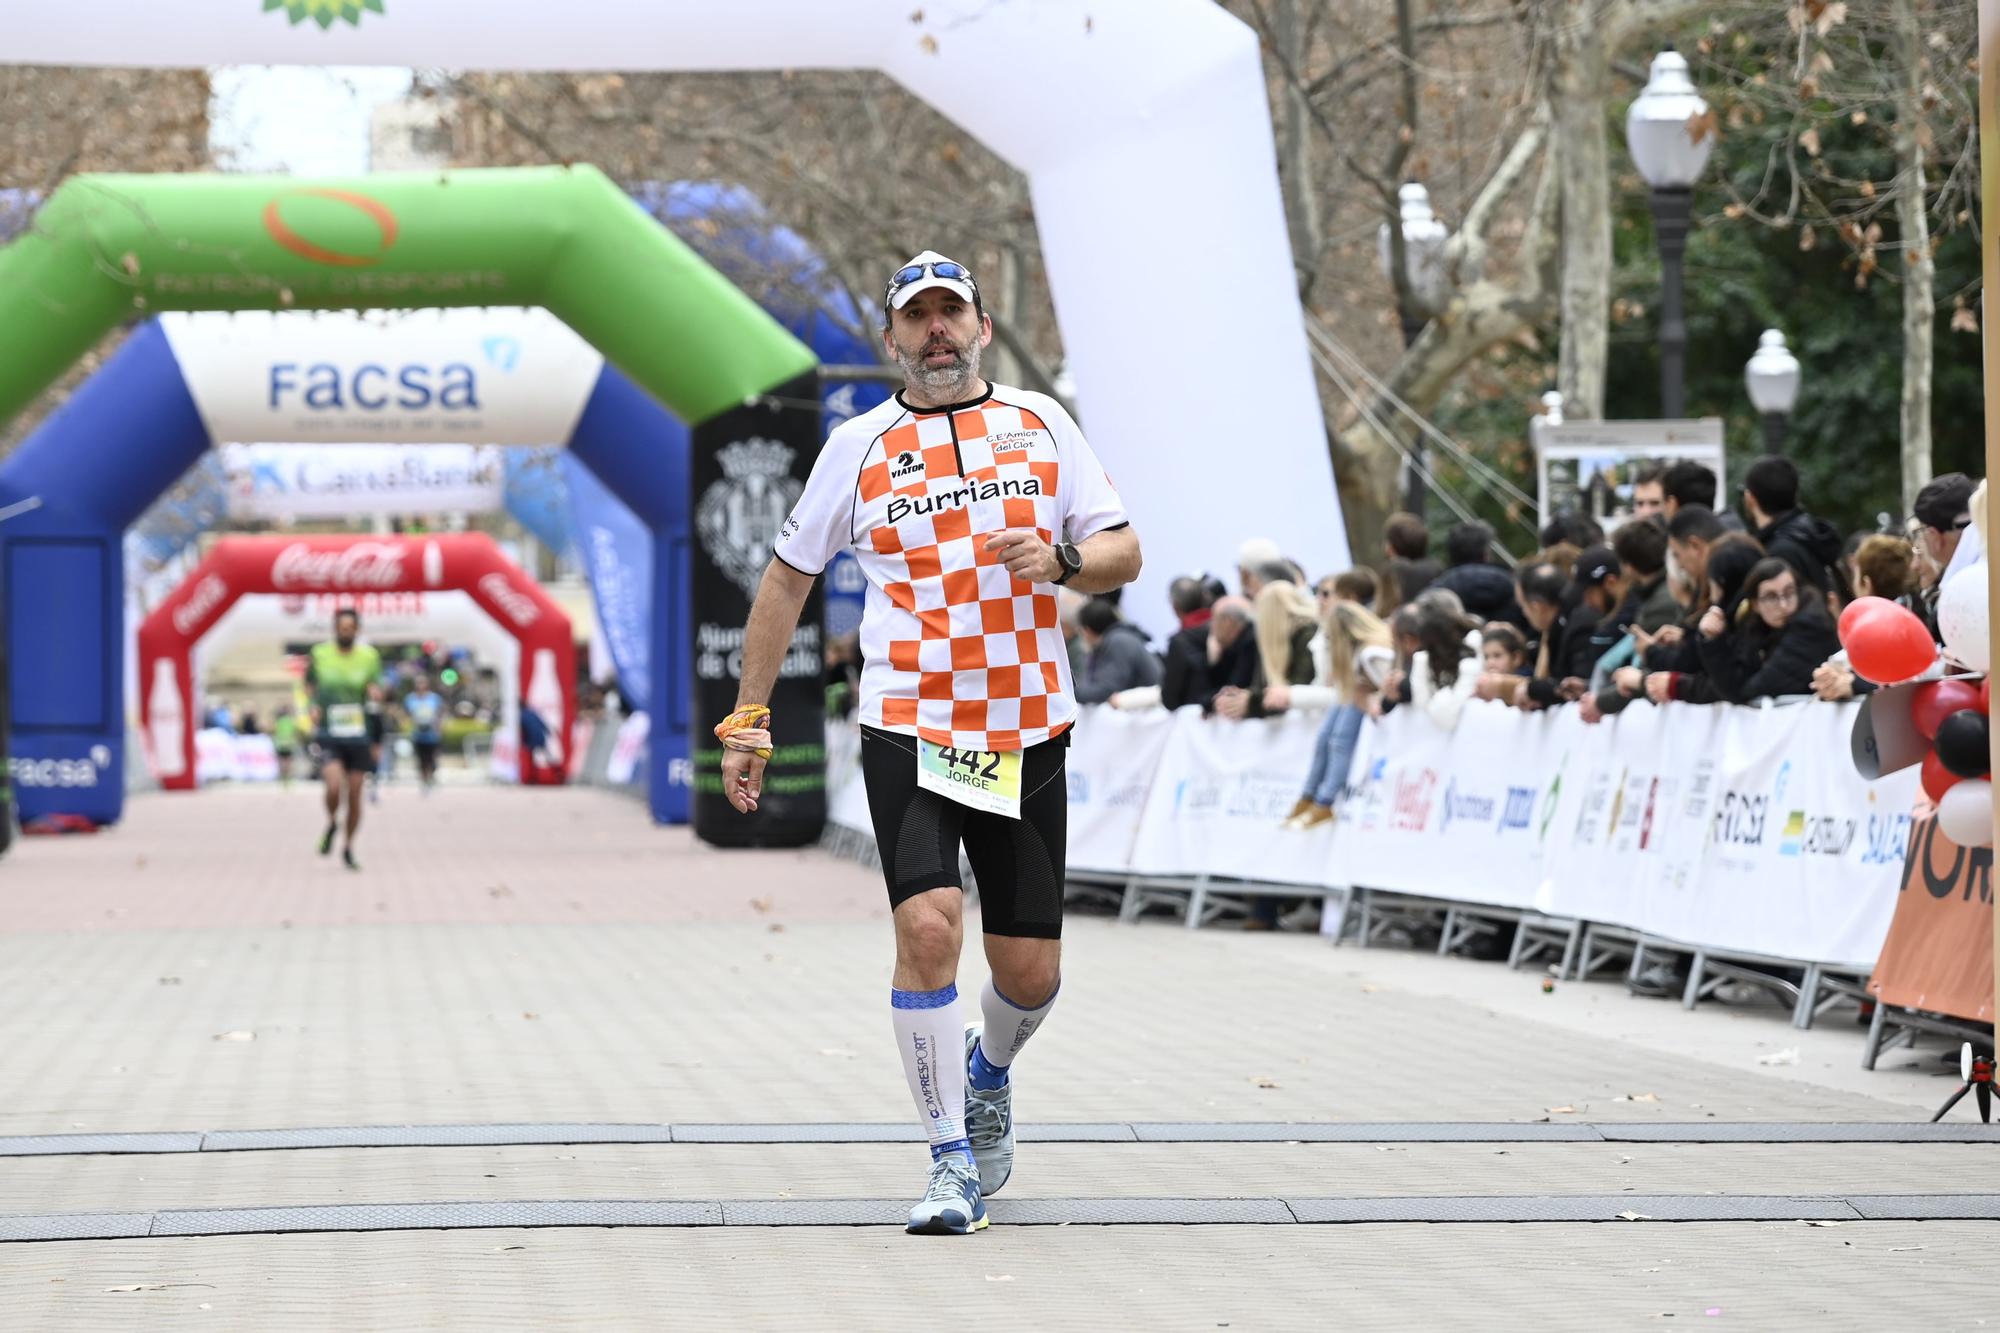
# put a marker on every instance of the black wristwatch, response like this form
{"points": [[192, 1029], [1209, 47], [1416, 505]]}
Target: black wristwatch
{"points": [[1071, 561]]}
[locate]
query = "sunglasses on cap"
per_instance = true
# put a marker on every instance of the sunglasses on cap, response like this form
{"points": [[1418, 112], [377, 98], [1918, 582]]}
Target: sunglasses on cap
{"points": [[946, 269]]}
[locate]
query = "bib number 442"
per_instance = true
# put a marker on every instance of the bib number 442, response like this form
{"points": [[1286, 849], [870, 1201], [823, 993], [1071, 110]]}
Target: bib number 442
{"points": [[978, 779]]}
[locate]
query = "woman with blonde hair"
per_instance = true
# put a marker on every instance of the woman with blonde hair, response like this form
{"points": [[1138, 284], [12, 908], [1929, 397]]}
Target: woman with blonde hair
{"points": [[1286, 622], [1360, 655]]}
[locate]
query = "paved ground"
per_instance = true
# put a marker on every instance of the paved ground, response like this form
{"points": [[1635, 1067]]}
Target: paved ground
{"points": [[533, 958]]}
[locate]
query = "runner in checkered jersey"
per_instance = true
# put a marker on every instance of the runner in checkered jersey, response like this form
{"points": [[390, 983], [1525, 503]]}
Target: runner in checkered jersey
{"points": [[967, 504]]}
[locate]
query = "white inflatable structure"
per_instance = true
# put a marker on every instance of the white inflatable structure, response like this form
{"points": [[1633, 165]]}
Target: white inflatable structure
{"points": [[1143, 127]]}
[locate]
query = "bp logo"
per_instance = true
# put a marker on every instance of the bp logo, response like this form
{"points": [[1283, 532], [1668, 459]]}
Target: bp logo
{"points": [[323, 12], [349, 230], [739, 516]]}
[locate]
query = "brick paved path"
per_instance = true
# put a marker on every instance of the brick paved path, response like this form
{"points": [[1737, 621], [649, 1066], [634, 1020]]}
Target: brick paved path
{"points": [[548, 957]]}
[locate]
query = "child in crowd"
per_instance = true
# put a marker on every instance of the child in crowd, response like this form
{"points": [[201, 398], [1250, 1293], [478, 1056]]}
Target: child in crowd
{"points": [[1503, 651]]}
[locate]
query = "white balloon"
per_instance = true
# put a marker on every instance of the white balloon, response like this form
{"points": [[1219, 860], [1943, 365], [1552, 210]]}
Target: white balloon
{"points": [[1965, 815], [1961, 616]]}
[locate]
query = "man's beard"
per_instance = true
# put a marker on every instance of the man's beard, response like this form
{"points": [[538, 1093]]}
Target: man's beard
{"points": [[946, 381]]}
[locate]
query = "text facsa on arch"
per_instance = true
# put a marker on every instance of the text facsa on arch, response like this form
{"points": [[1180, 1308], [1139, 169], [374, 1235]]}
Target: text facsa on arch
{"points": [[325, 387]]}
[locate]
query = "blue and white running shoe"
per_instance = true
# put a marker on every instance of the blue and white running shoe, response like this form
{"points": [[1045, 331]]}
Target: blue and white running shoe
{"points": [[951, 1207], [989, 1122]]}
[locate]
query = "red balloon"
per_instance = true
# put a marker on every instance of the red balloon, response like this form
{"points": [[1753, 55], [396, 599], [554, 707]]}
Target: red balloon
{"points": [[1888, 644], [1931, 704], [1857, 610], [1935, 778]]}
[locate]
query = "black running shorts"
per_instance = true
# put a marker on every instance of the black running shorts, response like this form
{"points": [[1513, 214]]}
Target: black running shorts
{"points": [[427, 753], [1018, 863], [352, 755]]}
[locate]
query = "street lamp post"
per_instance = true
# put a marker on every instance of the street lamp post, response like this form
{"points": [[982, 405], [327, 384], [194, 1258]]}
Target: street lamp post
{"points": [[1420, 297], [1772, 377], [1668, 153]]}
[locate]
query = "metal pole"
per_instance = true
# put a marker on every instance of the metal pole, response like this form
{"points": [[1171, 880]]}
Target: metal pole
{"points": [[1672, 211], [1415, 490], [1774, 431]]}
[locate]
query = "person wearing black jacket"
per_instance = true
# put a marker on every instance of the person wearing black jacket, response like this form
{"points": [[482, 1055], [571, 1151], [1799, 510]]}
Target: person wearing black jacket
{"points": [[1676, 671], [1184, 678], [1483, 588], [1810, 544], [1783, 633], [1562, 621]]}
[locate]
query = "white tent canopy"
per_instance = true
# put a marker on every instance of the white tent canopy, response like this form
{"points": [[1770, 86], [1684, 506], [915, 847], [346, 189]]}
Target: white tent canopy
{"points": [[1143, 128]]}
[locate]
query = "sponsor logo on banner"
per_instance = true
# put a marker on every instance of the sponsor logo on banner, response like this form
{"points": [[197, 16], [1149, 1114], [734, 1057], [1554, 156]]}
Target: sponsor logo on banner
{"points": [[1739, 819], [81, 772], [739, 516], [1808, 835], [1888, 840], [207, 595], [324, 12], [363, 565], [520, 607], [1519, 811], [1549, 806], [1412, 809], [285, 231], [1368, 795], [325, 387], [367, 605], [1461, 807]]}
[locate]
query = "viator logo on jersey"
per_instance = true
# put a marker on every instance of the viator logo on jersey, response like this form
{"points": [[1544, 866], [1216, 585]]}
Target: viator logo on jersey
{"points": [[907, 465], [902, 507]]}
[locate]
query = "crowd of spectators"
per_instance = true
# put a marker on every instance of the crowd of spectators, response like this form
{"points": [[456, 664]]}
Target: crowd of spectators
{"points": [[1684, 602]]}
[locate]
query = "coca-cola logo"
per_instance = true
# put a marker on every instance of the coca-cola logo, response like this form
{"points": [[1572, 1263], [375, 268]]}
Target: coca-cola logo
{"points": [[207, 595], [520, 607], [362, 565]]}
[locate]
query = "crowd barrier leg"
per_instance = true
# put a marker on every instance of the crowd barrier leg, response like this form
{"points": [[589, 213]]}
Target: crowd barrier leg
{"points": [[1197, 901]]}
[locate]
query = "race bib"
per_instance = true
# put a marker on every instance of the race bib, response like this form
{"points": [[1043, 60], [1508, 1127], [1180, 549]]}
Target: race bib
{"points": [[987, 780], [346, 722]]}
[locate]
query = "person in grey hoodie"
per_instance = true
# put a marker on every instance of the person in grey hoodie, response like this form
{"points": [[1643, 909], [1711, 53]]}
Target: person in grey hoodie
{"points": [[1116, 654]]}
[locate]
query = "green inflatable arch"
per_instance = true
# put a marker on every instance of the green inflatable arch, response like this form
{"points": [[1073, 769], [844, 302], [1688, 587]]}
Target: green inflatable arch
{"points": [[110, 248], [106, 249]]}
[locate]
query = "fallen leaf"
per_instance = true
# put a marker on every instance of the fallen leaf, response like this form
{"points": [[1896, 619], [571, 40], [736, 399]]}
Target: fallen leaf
{"points": [[929, 44], [1636, 1217], [999, 1277], [1810, 142], [1265, 1082], [238, 1035], [503, 1248]]}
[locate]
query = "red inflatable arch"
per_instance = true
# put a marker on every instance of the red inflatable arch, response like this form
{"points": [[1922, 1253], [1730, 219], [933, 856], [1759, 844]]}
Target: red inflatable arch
{"points": [[337, 564]]}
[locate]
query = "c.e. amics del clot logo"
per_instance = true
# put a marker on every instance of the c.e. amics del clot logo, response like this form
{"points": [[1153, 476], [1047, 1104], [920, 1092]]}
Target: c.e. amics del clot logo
{"points": [[288, 226], [323, 12]]}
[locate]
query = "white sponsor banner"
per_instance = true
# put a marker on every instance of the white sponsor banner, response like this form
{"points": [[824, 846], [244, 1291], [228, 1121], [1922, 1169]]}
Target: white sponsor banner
{"points": [[846, 795], [221, 756], [1742, 830], [1111, 767], [470, 375], [284, 481], [631, 747], [1219, 795]]}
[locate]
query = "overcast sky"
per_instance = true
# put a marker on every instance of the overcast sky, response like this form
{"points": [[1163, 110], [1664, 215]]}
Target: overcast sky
{"points": [[303, 119]]}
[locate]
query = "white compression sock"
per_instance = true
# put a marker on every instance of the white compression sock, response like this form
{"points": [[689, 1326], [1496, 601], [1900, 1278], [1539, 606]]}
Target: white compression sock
{"points": [[932, 1042], [1008, 1027]]}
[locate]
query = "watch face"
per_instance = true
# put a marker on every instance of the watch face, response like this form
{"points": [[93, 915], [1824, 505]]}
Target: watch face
{"points": [[1071, 557]]}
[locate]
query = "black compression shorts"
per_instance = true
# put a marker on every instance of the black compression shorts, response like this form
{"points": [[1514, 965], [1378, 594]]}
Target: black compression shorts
{"points": [[1019, 863]]}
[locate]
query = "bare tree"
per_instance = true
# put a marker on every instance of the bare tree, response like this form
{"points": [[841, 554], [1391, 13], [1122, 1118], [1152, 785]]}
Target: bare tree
{"points": [[56, 122], [1827, 68]]}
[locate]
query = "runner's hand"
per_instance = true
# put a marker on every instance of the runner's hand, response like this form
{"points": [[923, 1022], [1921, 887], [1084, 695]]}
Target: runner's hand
{"points": [[1027, 557], [742, 778]]}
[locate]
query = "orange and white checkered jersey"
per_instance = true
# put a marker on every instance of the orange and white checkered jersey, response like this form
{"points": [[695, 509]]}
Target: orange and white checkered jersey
{"points": [[955, 649]]}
